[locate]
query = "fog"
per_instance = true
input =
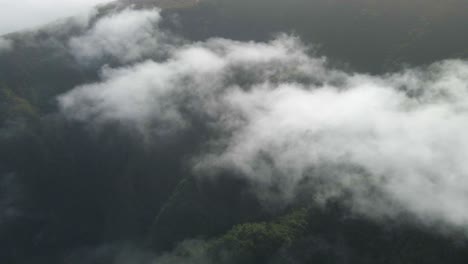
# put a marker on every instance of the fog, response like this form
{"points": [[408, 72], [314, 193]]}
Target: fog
{"points": [[215, 131], [283, 118]]}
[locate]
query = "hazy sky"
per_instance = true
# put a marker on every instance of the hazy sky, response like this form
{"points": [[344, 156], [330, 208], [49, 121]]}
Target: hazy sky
{"points": [[21, 14]]}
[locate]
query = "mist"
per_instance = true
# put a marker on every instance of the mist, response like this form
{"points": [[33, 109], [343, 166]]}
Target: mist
{"points": [[126, 36], [186, 131], [282, 116]]}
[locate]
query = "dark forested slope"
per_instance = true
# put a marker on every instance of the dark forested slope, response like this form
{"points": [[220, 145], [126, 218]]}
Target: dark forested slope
{"points": [[72, 191]]}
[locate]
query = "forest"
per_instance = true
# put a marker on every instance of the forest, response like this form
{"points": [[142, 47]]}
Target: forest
{"points": [[220, 131]]}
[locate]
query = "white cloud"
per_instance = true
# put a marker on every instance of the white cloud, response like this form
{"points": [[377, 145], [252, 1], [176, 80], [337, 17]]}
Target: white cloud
{"points": [[396, 143], [127, 36], [364, 136], [25, 14], [152, 92]]}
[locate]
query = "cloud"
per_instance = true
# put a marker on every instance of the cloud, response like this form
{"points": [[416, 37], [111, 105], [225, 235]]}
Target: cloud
{"points": [[126, 36], [5, 45], [283, 119], [25, 14], [395, 140], [153, 95]]}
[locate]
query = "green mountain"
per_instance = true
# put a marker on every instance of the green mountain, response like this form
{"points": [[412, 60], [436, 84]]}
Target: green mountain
{"points": [[89, 194]]}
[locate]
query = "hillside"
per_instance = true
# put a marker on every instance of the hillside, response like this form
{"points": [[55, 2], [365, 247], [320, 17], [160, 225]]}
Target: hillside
{"points": [[247, 131]]}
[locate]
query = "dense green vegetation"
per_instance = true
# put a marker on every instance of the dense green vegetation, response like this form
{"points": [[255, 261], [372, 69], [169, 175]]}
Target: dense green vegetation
{"points": [[88, 187]]}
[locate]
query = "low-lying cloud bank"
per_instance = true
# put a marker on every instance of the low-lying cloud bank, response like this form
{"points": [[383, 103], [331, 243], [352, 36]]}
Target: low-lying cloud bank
{"points": [[390, 144]]}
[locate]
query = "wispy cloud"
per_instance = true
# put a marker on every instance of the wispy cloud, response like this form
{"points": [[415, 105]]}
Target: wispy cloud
{"points": [[391, 144], [126, 36]]}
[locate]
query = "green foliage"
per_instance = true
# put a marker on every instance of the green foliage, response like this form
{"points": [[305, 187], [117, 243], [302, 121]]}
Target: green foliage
{"points": [[110, 187], [265, 238], [212, 209], [254, 242]]}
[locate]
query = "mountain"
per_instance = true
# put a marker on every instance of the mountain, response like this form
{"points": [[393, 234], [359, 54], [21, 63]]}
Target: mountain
{"points": [[148, 131]]}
